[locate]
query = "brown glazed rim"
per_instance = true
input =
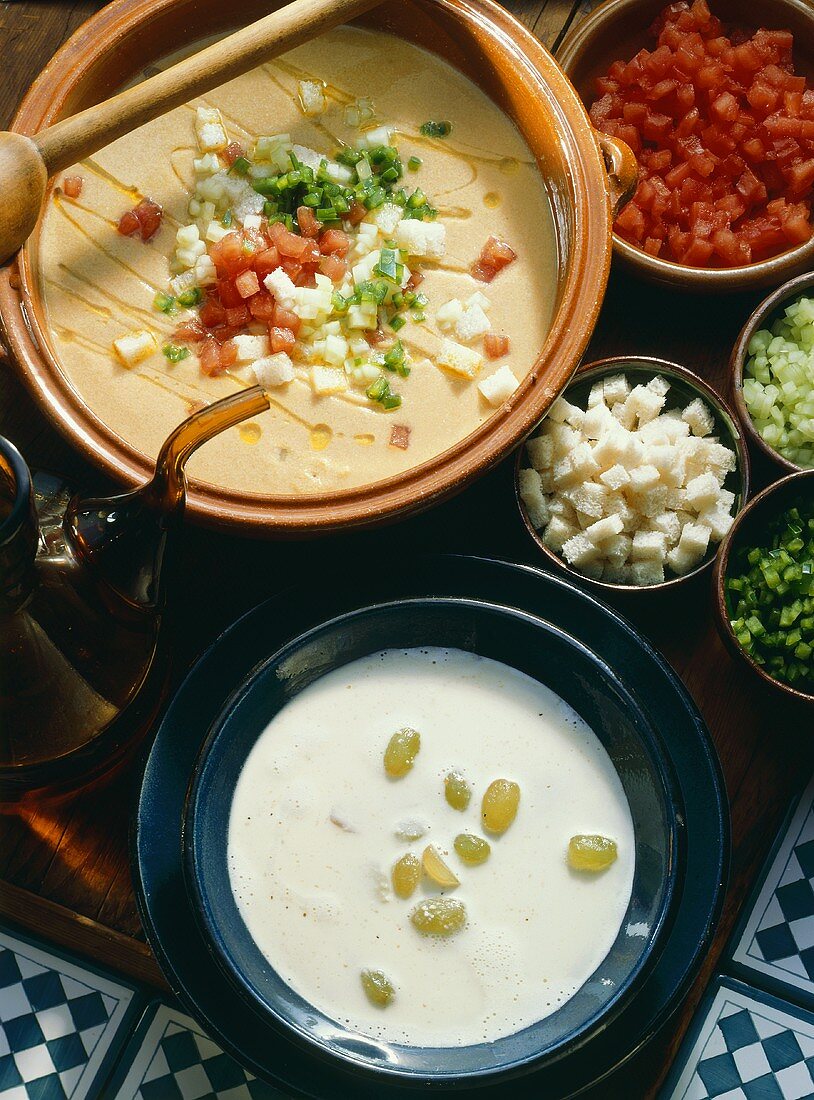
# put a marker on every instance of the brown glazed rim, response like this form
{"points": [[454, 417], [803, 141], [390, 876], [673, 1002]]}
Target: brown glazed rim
{"points": [[590, 36], [743, 518], [581, 291], [758, 319], [613, 365]]}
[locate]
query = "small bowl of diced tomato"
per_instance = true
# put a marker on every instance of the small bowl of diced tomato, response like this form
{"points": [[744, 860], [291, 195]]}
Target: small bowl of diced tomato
{"points": [[716, 99]]}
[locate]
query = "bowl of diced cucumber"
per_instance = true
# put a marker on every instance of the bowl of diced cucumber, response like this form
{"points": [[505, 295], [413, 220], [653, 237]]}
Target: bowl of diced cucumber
{"points": [[635, 476], [764, 581], [772, 375]]}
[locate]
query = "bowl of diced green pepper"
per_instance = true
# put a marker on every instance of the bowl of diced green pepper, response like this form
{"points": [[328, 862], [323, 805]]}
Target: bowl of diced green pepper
{"points": [[764, 580]]}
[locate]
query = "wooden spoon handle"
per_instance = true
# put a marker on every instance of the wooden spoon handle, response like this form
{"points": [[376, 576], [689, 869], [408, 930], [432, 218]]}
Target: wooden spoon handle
{"points": [[74, 138]]}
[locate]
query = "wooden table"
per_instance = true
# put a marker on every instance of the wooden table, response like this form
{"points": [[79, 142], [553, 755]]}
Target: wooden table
{"points": [[75, 859]]}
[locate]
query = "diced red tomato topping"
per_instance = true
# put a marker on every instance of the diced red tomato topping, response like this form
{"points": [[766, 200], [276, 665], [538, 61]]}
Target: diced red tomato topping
{"points": [[247, 284], [232, 151], [494, 256], [334, 242], [144, 219], [400, 436], [495, 346], [723, 130], [72, 186], [281, 339], [334, 267], [307, 221]]}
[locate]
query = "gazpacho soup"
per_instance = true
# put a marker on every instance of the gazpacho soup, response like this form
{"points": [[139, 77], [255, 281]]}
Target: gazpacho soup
{"points": [[356, 226], [414, 873]]}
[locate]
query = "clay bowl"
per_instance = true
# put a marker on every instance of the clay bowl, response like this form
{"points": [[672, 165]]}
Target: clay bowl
{"points": [[769, 310], [684, 387], [490, 47], [749, 529], [617, 30]]}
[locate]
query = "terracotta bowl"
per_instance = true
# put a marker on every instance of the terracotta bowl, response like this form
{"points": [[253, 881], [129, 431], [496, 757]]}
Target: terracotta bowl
{"points": [[749, 529], [490, 47], [684, 387], [763, 317], [617, 30]]}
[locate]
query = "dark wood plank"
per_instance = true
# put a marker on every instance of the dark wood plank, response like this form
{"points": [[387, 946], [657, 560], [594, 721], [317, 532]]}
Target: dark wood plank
{"points": [[75, 858]]}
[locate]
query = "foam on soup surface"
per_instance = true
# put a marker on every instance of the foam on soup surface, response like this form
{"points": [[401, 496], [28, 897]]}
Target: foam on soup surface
{"points": [[316, 827], [340, 418]]}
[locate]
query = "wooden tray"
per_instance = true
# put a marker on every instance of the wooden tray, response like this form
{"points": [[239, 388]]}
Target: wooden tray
{"points": [[64, 872]]}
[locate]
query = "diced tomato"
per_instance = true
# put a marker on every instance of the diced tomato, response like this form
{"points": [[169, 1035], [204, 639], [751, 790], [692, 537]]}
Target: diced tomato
{"points": [[307, 221], [228, 355], [212, 312], [281, 339], [266, 261], [334, 241], [334, 267], [495, 345], [209, 356], [356, 214], [189, 332], [144, 219], [238, 316], [247, 284], [232, 151], [400, 436], [72, 186], [494, 256], [261, 307], [286, 318]]}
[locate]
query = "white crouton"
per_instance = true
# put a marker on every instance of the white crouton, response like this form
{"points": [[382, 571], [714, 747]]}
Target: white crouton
{"points": [[659, 385], [478, 299], [579, 550], [423, 239], [699, 417], [387, 217], [617, 549], [653, 433], [597, 421], [646, 572], [249, 348], [670, 463], [134, 348], [702, 492], [672, 426], [620, 448], [499, 387], [528, 484], [558, 532], [718, 520], [273, 370], [726, 499], [540, 450], [643, 478], [589, 498], [668, 524], [649, 546], [563, 438], [694, 539], [380, 135], [616, 573], [281, 287], [577, 466], [614, 389], [463, 361], [561, 507], [616, 505], [328, 380], [472, 323], [209, 130], [641, 406], [215, 232], [682, 561], [597, 394], [604, 529], [676, 500], [449, 313], [205, 271], [563, 412], [615, 478], [312, 97], [591, 569], [651, 501], [719, 460]]}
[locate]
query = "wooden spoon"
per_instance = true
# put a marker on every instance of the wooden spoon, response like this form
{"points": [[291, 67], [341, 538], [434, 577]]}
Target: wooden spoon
{"points": [[27, 162]]}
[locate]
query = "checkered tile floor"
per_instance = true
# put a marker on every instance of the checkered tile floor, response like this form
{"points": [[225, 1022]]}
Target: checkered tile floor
{"points": [[171, 1059], [58, 1023], [777, 939]]}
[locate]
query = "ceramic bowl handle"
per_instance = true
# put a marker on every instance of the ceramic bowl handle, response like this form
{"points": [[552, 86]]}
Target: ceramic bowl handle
{"points": [[622, 169]]}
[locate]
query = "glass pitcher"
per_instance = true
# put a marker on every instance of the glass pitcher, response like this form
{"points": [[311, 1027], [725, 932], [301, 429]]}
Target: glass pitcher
{"points": [[83, 653]]}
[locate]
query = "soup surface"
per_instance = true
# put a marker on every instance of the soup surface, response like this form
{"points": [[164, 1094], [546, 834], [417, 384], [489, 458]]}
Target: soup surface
{"points": [[316, 826], [480, 181]]}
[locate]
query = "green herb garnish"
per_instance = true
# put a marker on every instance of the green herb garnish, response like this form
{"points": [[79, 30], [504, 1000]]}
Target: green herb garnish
{"points": [[436, 129], [164, 303], [191, 297], [414, 163], [175, 352]]}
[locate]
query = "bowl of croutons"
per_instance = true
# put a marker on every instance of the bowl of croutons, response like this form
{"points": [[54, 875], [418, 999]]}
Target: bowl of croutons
{"points": [[635, 476]]}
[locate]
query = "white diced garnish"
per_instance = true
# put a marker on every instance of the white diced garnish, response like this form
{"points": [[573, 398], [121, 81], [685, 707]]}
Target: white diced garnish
{"points": [[702, 492], [579, 550], [532, 496], [249, 348], [205, 271], [422, 239], [699, 418], [603, 529], [541, 452], [646, 572], [273, 370], [694, 539], [207, 165], [180, 283], [563, 412], [596, 395], [448, 314], [215, 232], [252, 221], [643, 478], [498, 387], [461, 360], [312, 97], [472, 324], [279, 284], [135, 347], [387, 218], [558, 531], [478, 299], [210, 131], [371, 139], [615, 389], [649, 546], [588, 498], [328, 380], [659, 385], [336, 348], [615, 478], [364, 316]]}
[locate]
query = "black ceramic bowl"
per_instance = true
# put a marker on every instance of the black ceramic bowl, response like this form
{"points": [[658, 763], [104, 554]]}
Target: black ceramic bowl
{"points": [[533, 646]]}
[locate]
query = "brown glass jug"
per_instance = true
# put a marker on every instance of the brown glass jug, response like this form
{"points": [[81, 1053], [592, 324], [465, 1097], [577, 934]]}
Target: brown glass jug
{"points": [[83, 657]]}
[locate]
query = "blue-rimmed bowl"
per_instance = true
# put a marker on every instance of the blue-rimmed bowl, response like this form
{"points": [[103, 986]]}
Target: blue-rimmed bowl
{"points": [[533, 646]]}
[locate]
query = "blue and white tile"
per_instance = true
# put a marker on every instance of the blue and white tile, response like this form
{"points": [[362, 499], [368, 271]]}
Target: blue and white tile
{"points": [[773, 945], [62, 1022], [744, 1044], [171, 1058]]}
